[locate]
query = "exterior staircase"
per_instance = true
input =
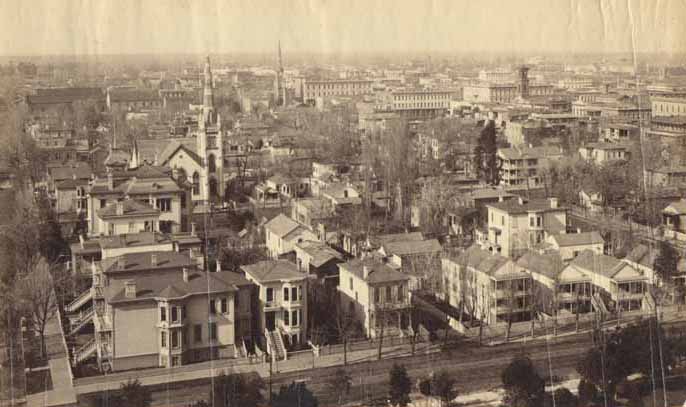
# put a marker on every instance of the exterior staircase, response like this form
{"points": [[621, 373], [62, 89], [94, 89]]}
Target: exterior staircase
{"points": [[80, 301], [276, 345], [84, 352], [599, 304], [81, 321]]}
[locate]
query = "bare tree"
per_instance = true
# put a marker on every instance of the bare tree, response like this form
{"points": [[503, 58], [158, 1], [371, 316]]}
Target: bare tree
{"points": [[39, 298], [345, 326]]}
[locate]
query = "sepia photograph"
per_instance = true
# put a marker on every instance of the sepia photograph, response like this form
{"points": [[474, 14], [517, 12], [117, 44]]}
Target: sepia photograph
{"points": [[345, 203]]}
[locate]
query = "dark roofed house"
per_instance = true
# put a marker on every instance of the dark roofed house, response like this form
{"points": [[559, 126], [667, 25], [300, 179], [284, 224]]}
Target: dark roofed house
{"points": [[320, 259]]}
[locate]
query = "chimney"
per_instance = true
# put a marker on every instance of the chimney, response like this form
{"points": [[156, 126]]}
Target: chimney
{"points": [[365, 272], [192, 228], [153, 260], [578, 230], [120, 208], [553, 203], [110, 181], [501, 198], [121, 263], [130, 289], [521, 200], [185, 274]]}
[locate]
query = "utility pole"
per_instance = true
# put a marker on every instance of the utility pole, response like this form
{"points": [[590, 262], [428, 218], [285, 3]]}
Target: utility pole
{"points": [[270, 377]]}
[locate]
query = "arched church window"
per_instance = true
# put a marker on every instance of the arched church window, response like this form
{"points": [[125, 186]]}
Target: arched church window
{"points": [[196, 183], [211, 164]]}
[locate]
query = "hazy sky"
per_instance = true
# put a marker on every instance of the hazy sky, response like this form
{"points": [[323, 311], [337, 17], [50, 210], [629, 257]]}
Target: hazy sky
{"points": [[35, 27]]}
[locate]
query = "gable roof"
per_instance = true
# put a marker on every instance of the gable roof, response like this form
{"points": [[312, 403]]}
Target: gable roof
{"points": [[320, 253], [491, 264], [281, 225], [577, 239], [676, 208], [188, 145], [273, 270], [549, 265], [643, 255], [379, 272], [607, 266], [513, 206]]}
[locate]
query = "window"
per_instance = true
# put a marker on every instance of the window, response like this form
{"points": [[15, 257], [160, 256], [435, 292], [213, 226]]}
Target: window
{"points": [[197, 333], [294, 318], [224, 305], [175, 339], [132, 227], [164, 204], [235, 300], [286, 318], [103, 203], [351, 283], [285, 294], [196, 183], [212, 328], [401, 294], [294, 293], [163, 314], [163, 339], [376, 295], [388, 294], [213, 307], [174, 314]]}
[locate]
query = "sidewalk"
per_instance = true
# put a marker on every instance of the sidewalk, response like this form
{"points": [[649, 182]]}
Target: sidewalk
{"points": [[211, 369], [62, 392]]}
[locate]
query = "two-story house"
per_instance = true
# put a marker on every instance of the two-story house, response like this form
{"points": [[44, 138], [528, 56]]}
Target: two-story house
{"points": [[149, 187], [522, 166], [487, 285], [520, 224], [376, 295], [283, 233], [569, 245], [282, 309]]}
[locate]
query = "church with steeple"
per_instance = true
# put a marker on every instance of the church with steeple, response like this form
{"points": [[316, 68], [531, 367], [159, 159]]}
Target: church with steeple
{"points": [[201, 163]]}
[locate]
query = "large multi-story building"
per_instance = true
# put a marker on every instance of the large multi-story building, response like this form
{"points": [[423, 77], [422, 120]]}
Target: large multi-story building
{"points": [[522, 166], [668, 106], [520, 224], [376, 295], [487, 285], [420, 103], [501, 92], [158, 309], [313, 89], [670, 133]]}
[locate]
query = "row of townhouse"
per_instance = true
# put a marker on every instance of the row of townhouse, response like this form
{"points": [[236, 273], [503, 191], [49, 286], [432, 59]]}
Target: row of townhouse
{"points": [[496, 289]]}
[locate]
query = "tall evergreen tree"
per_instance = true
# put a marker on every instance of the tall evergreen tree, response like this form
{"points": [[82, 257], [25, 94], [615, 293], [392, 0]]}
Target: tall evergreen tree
{"points": [[486, 162], [666, 261]]}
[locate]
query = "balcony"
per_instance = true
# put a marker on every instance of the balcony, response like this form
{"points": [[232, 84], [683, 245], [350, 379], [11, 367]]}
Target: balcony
{"points": [[390, 306], [272, 305]]}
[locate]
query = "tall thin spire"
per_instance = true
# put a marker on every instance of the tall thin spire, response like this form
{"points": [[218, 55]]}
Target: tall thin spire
{"points": [[280, 60], [208, 95]]}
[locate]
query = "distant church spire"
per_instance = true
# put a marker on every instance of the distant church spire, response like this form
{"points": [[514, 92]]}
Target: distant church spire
{"points": [[208, 95], [280, 60]]}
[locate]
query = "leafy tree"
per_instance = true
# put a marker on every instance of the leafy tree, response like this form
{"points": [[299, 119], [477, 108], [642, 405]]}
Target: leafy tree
{"points": [[441, 386], [295, 394], [486, 155], [522, 383], [237, 390], [134, 394], [666, 261], [565, 398], [444, 387], [339, 384], [400, 386]]}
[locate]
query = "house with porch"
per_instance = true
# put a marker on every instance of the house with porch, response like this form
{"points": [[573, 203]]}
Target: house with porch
{"points": [[282, 304], [376, 295]]}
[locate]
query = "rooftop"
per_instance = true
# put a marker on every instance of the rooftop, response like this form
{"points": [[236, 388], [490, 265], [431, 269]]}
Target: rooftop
{"points": [[171, 285], [136, 262], [522, 153], [549, 264], [494, 265], [518, 206], [378, 272], [320, 253], [281, 225], [273, 270], [129, 207], [577, 239], [403, 248]]}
